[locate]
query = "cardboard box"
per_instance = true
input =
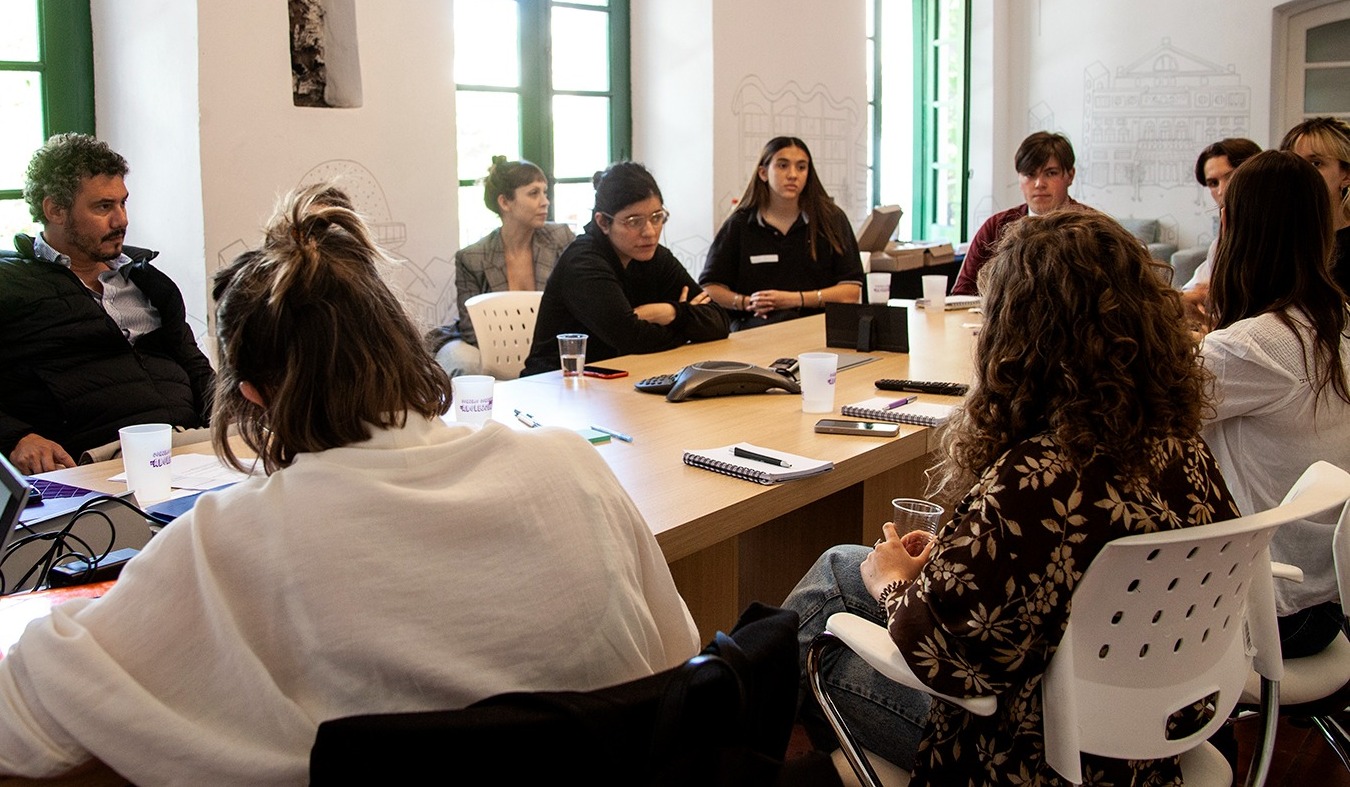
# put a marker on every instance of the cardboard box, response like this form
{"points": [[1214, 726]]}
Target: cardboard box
{"points": [[911, 255], [896, 260]]}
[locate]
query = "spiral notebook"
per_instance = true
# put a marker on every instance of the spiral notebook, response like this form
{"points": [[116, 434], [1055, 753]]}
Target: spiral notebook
{"points": [[724, 460], [914, 413]]}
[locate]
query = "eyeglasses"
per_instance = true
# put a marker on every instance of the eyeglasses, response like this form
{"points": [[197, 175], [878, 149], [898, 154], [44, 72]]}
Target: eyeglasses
{"points": [[636, 223]]}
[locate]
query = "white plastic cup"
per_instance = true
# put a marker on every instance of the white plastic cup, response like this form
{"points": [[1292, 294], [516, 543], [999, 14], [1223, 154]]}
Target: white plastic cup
{"points": [[147, 454], [935, 292], [473, 398], [817, 375], [572, 353], [911, 514], [878, 287]]}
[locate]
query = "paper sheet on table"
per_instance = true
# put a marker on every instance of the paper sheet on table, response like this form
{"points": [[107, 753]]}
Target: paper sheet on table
{"points": [[197, 471]]}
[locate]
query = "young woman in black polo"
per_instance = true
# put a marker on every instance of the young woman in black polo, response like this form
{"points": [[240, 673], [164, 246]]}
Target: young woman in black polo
{"points": [[787, 250]]}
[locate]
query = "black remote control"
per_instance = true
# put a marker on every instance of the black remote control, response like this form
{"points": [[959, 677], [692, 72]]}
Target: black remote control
{"points": [[924, 386]]}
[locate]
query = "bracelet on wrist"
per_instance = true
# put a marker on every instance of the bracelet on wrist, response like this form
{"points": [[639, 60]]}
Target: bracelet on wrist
{"points": [[890, 590], [820, 299], [802, 295]]}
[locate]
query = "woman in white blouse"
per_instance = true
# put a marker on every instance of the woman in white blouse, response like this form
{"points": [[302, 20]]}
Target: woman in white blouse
{"points": [[1279, 351]]}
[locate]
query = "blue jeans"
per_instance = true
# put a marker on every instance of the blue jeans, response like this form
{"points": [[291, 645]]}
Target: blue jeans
{"points": [[885, 717]]}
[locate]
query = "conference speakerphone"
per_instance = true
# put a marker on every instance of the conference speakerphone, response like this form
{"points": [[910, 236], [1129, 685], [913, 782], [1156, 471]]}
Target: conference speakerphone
{"points": [[718, 378]]}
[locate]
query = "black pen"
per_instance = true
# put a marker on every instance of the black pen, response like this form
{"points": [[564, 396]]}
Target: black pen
{"points": [[744, 454]]}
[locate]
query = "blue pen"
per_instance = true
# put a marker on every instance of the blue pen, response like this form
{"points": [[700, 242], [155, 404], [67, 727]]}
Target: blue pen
{"points": [[901, 402]]}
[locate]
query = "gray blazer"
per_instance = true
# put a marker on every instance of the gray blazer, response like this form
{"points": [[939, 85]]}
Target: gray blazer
{"points": [[481, 267]]}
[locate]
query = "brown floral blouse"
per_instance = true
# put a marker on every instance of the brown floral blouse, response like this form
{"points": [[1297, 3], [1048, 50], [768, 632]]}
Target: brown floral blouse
{"points": [[991, 605]]}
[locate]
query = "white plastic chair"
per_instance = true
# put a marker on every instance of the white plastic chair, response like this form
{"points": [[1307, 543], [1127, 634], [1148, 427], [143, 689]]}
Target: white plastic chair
{"points": [[1316, 686], [1156, 624], [504, 324]]}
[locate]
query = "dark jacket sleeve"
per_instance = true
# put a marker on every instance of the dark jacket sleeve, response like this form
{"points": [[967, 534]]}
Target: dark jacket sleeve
{"points": [[976, 255], [595, 295], [12, 430], [705, 322], [981, 250], [178, 337]]}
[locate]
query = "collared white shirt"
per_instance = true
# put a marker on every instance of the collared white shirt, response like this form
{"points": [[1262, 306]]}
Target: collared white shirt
{"points": [[121, 299]]}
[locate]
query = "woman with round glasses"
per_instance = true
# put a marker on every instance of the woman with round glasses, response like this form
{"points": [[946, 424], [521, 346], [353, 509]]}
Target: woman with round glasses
{"points": [[618, 285], [787, 250], [519, 255]]}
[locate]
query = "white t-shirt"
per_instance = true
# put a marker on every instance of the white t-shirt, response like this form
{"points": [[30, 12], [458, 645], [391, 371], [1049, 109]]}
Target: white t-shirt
{"points": [[1267, 430], [426, 568], [1204, 270]]}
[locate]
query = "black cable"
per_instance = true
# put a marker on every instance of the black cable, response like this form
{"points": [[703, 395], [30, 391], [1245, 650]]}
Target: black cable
{"points": [[60, 549]]}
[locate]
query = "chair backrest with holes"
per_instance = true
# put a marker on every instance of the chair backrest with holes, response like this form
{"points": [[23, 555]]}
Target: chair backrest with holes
{"points": [[504, 324], [1161, 621]]}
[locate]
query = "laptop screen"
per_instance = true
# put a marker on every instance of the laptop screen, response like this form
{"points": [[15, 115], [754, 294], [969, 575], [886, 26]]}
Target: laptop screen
{"points": [[13, 497]]}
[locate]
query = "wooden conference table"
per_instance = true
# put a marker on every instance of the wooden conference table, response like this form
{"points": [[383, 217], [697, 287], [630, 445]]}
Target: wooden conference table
{"points": [[728, 541]]}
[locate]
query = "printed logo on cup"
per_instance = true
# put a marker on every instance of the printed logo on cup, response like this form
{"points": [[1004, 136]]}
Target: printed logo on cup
{"points": [[161, 459], [475, 405]]}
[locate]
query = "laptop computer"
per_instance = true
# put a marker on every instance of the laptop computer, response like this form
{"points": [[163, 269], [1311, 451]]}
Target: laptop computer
{"points": [[56, 499], [13, 499], [116, 526]]}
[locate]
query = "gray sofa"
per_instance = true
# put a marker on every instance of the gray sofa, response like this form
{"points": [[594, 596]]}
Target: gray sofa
{"points": [[1149, 232]]}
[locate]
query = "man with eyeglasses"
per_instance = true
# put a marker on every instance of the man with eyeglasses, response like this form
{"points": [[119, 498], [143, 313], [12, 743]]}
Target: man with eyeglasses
{"points": [[618, 285], [1045, 172]]}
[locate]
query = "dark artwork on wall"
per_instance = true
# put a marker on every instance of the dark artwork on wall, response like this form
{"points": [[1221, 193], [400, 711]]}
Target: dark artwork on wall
{"points": [[309, 74]]}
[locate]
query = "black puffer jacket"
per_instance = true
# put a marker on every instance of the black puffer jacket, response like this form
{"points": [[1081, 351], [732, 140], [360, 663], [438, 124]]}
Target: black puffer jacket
{"points": [[68, 374]]}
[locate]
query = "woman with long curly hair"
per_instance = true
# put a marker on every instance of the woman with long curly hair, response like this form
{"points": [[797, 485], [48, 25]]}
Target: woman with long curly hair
{"points": [[1082, 426]]}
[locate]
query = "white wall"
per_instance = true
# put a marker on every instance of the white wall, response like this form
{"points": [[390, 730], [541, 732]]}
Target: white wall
{"points": [[1177, 76], [724, 77], [146, 106], [201, 106], [672, 67]]}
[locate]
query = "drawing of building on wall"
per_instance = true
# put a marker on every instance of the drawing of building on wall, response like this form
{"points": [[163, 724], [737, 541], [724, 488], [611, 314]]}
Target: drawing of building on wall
{"points": [[828, 125], [428, 290], [1145, 124]]}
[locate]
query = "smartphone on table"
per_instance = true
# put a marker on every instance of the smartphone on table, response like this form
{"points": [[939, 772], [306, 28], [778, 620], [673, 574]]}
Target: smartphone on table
{"points": [[603, 373], [866, 428]]}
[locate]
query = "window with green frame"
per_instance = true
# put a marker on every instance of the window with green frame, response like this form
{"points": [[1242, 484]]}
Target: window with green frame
{"points": [[919, 119], [544, 81], [46, 87]]}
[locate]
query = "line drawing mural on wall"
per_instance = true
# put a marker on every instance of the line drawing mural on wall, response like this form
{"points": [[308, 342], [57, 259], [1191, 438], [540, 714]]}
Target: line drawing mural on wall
{"points": [[1145, 124], [828, 125], [427, 290]]}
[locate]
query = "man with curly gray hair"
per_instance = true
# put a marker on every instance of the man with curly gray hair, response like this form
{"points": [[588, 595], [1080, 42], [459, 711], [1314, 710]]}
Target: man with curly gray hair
{"points": [[92, 337]]}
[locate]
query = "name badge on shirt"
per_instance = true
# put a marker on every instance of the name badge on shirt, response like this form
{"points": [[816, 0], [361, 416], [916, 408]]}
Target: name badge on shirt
{"points": [[756, 259]]}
